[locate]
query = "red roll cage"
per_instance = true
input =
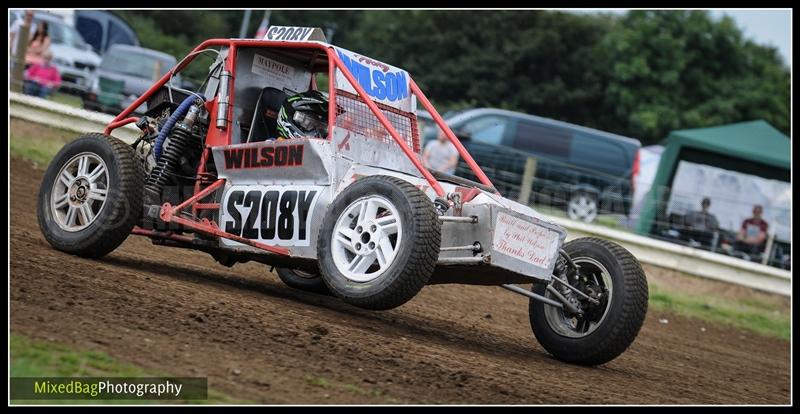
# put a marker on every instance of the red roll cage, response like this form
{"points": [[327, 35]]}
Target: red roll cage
{"points": [[218, 136]]}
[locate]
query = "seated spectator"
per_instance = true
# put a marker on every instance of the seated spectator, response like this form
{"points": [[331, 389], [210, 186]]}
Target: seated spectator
{"points": [[702, 220], [41, 79], [701, 225], [753, 234]]}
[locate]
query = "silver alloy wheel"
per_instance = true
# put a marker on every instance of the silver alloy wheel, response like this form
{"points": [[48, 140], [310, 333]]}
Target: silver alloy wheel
{"points": [[80, 191], [366, 238], [305, 275], [582, 207], [573, 327]]}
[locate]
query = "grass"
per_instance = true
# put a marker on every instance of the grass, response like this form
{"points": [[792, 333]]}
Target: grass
{"points": [[748, 314], [37, 143], [35, 358], [605, 220], [67, 99]]}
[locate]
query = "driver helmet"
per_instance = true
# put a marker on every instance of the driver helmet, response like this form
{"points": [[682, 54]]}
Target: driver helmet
{"points": [[304, 115]]}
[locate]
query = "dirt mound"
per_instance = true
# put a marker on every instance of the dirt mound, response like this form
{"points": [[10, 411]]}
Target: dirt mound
{"points": [[177, 311]]}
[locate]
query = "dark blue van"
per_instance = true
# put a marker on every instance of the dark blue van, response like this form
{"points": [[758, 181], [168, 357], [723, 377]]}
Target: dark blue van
{"points": [[101, 29], [583, 170]]}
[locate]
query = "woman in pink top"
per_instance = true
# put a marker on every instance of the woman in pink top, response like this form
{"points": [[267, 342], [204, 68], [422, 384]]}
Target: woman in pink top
{"points": [[38, 45], [41, 79]]}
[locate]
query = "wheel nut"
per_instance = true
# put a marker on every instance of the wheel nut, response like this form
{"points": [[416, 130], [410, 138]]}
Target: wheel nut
{"points": [[373, 228], [359, 229], [371, 245], [358, 246]]}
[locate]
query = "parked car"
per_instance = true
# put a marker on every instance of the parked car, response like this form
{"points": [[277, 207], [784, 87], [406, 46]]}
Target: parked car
{"points": [[583, 170], [125, 73], [74, 58], [101, 29]]}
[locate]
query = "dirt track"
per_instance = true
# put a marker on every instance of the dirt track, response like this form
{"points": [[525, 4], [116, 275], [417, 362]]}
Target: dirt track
{"points": [[177, 311]]}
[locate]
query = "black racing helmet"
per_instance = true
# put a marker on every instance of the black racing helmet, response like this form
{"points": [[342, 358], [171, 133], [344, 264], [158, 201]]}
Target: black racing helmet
{"points": [[304, 115]]}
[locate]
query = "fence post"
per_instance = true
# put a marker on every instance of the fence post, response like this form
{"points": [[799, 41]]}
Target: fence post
{"points": [[768, 248], [527, 181], [18, 70]]}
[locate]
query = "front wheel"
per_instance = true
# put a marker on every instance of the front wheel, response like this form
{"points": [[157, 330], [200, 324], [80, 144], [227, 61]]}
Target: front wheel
{"points": [[614, 278], [91, 196], [379, 242]]}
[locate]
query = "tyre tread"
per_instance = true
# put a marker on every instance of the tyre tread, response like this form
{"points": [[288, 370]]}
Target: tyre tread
{"points": [[130, 184], [425, 250], [631, 317]]}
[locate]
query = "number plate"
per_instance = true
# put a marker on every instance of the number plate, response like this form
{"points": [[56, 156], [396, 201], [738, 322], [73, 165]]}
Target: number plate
{"points": [[275, 215]]}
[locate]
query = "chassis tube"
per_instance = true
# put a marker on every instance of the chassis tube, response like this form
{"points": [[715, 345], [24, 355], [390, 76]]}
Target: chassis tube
{"points": [[534, 296], [114, 125], [164, 79], [331, 96], [456, 143]]}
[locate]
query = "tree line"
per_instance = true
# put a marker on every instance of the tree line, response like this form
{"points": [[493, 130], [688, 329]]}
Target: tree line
{"points": [[641, 74]]}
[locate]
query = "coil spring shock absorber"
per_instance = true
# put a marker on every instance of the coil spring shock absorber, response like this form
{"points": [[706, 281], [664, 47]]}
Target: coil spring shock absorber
{"points": [[179, 138]]}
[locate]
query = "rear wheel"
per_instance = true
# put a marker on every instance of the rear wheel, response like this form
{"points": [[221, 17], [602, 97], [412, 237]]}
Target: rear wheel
{"points": [[614, 278], [91, 196], [299, 279]]}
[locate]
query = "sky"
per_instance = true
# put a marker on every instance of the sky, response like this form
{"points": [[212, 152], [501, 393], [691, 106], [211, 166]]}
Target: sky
{"points": [[766, 27]]}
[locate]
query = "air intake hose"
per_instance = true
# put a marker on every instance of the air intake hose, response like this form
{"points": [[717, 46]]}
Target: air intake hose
{"points": [[165, 130]]}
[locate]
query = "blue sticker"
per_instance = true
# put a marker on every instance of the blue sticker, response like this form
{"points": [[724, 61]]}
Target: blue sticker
{"points": [[390, 86]]}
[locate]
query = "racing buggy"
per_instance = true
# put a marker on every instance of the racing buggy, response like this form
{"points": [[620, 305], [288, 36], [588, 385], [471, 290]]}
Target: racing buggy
{"points": [[305, 156]]}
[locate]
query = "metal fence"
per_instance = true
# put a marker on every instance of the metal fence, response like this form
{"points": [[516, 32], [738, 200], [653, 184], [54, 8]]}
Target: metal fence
{"points": [[673, 211]]}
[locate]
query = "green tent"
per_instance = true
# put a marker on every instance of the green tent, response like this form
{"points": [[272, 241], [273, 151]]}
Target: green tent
{"points": [[754, 148]]}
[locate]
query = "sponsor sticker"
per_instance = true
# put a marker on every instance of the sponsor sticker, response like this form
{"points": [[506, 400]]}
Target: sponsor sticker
{"points": [[524, 240], [382, 82], [276, 73], [263, 157]]}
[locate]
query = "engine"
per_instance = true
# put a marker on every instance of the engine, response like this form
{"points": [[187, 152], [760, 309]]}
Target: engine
{"points": [[170, 151]]}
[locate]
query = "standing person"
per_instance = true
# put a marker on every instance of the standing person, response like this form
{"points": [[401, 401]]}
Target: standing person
{"points": [[38, 45], [14, 31], [18, 35], [440, 155], [41, 79], [753, 234]]}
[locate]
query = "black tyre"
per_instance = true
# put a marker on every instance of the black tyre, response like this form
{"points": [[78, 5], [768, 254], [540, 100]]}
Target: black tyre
{"points": [[298, 279], [379, 243], [612, 275], [91, 196]]}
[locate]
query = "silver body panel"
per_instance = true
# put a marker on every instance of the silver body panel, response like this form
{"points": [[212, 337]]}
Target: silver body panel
{"points": [[515, 239]]}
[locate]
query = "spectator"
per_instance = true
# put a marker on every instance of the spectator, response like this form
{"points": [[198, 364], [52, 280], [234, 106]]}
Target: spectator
{"points": [[41, 79], [13, 32], [753, 234], [702, 220], [441, 155], [38, 45], [701, 226]]}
